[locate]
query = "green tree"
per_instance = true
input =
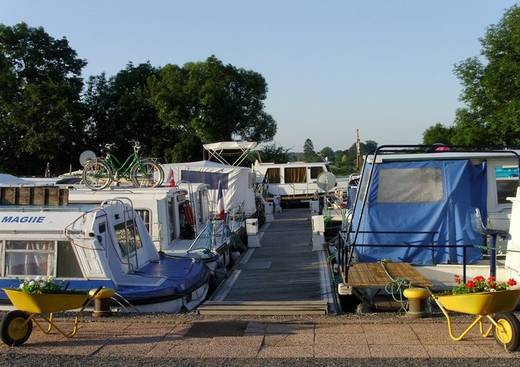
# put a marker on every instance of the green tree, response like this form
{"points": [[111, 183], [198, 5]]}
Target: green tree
{"points": [[309, 155], [209, 101], [491, 90], [120, 111], [328, 153], [41, 114], [274, 153], [437, 133]]}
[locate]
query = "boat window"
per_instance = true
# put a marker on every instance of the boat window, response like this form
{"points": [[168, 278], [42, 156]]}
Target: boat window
{"points": [[316, 171], [67, 265], [410, 185], [29, 258], [295, 175], [102, 227], [273, 175], [146, 216], [507, 183], [128, 238]]}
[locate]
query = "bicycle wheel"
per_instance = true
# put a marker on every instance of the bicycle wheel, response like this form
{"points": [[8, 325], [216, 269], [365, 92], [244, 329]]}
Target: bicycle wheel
{"points": [[97, 175], [147, 173]]}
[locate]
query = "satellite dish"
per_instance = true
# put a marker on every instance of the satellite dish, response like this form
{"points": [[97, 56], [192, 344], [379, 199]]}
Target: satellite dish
{"points": [[326, 181], [86, 156]]}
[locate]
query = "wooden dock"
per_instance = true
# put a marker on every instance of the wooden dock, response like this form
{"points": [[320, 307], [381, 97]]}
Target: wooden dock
{"points": [[365, 275], [282, 277]]}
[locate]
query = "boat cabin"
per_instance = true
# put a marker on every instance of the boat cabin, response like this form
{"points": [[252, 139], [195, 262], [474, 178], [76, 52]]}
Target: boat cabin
{"points": [[434, 210], [90, 247], [290, 181], [169, 213]]}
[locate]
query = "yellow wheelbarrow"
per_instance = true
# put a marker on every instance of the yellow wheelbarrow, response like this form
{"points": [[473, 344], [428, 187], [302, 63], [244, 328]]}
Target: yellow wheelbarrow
{"points": [[496, 307], [17, 325]]}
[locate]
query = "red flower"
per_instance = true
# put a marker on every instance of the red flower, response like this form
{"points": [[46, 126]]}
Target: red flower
{"points": [[491, 279], [479, 278], [511, 282], [457, 279], [470, 284]]}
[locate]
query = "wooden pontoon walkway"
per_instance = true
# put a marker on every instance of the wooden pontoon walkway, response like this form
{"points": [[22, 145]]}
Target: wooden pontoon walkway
{"points": [[280, 277]]}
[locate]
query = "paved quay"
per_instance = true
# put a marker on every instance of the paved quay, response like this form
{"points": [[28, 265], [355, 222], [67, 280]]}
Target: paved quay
{"points": [[196, 340]]}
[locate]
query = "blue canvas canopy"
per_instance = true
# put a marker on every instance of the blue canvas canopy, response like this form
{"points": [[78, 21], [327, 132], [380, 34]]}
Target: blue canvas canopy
{"points": [[435, 197]]}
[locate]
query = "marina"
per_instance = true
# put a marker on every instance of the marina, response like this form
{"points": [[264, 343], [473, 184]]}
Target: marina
{"points": [[260, 185]]}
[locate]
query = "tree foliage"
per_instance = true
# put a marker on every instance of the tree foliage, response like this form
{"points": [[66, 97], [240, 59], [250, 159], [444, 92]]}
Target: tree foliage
{"points": [[209, 101], [47, 113], [41, 114], [309, 154], [119, 111], [274, 153], [491, 90], [327, 153]]}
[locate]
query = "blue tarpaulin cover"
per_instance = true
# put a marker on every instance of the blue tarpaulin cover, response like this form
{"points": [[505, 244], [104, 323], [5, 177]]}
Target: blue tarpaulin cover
{"points": [[437, 196]]}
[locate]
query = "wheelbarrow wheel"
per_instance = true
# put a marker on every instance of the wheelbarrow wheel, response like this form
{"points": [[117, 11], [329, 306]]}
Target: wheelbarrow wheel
{"points": [[15, 328], [508, 331]]}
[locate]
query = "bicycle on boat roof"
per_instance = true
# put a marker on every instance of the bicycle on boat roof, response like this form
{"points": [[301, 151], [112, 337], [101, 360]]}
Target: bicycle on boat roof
{"points": [[99, 173]]}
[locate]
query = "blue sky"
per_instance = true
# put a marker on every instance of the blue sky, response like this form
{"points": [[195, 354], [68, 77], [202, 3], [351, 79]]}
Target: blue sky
{"points": [[384, 66]]}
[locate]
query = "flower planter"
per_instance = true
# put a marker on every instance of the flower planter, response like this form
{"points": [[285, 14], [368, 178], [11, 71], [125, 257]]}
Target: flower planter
{"points": [[483, 303], [45, 303]]}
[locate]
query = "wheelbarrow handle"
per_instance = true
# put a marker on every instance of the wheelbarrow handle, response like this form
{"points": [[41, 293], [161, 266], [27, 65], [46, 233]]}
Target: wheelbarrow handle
{"points": [[91, 297]]}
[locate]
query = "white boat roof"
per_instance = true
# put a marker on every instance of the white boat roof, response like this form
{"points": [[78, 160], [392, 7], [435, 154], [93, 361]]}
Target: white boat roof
{"points": [[299, 164], [7, 180], [231, 145], [386, 157], [84, 194]]}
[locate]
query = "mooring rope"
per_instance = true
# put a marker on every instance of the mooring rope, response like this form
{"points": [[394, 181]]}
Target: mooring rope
{"points": [[395, 287]]}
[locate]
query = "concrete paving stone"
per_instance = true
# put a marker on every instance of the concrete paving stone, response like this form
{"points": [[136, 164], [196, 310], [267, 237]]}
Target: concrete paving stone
{"points": [[236, 351], [214, 328], [341, 339], [455, 351], [165, 346], [338, 329], [285, 352], [398, 351], [181, 330], [255, 327], [386, 329], [338, 351], [289, 328], [230, 341], [134, 346], [438, 334], [289, 340], [63, 347], [147, 330], [392, 339], [187, 350]]}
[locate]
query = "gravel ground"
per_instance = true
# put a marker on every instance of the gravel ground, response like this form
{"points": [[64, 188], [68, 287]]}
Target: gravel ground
{"points": [[73, 361]]}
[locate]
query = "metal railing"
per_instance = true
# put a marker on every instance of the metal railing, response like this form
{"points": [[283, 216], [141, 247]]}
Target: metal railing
{"points": [[345, 256]]}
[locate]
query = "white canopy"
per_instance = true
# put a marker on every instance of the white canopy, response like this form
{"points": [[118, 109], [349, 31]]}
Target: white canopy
{"points": [[231, 145], [217, 150]]}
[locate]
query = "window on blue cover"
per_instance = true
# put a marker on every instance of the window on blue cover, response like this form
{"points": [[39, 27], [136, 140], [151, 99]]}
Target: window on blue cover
{"points": [[410, 185]]}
